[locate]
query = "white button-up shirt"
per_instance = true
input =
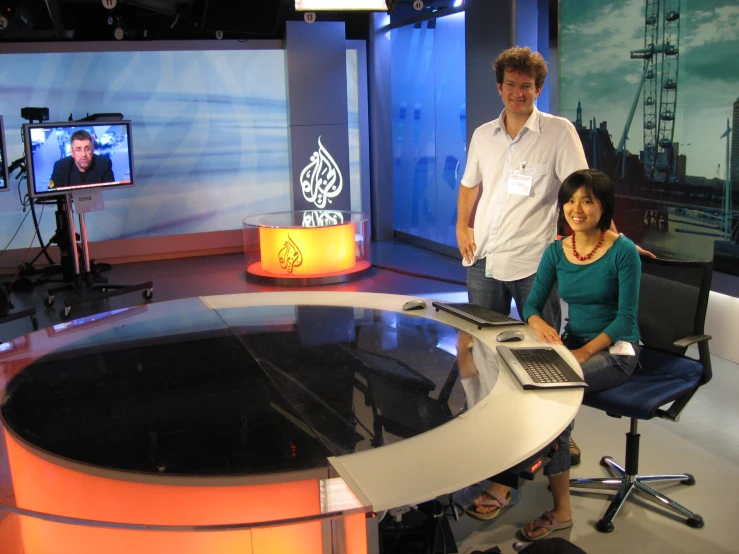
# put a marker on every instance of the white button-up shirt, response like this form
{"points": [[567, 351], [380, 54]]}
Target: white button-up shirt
{"points": [[512, 231]]}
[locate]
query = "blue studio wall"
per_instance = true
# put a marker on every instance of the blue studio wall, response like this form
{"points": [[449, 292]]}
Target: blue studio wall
{"points": [[210, 133], [429, 125]]}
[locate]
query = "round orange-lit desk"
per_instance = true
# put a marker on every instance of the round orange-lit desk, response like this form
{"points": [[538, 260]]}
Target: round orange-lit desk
{"points": [[308, 247], [268, 422]]}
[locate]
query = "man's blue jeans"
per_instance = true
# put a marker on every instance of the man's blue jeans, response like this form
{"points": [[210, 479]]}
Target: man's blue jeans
{"points": [[496, 295]]}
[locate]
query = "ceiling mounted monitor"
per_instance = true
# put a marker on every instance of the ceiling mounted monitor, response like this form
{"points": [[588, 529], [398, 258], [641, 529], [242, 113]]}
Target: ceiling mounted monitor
{"points": [[340, 5]]}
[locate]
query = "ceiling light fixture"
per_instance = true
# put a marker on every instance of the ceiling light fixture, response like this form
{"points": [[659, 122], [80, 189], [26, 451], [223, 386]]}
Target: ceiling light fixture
{"points": [[340, 5]]}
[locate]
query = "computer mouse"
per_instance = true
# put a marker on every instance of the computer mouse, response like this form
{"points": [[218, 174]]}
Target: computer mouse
{"points": [[509, 336], [417, 304]]}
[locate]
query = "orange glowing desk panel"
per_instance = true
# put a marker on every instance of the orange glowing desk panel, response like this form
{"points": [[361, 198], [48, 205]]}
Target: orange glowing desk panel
{"points": [[95, 506], [51, 488], [307, 250]]}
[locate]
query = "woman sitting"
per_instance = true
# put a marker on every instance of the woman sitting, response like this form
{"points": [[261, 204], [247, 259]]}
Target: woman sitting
{"points": [[598, 273]]}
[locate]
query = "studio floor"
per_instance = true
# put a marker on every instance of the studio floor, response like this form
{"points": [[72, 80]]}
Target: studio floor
{"points": [[705, 442]]}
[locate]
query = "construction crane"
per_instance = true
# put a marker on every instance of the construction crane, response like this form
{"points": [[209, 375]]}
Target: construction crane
{"points": [[657, 88]]}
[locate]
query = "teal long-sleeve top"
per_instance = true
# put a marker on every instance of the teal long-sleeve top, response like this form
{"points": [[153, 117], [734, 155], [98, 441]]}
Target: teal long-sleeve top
{"points": [[603, 296]]}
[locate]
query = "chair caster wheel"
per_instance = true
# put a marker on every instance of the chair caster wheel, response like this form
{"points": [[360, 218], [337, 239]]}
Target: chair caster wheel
{"points": [[34, 322], [64, 313], [696, 521], [603, 460], [604, 526], [689, 481], [148, 294], [49, 301]]}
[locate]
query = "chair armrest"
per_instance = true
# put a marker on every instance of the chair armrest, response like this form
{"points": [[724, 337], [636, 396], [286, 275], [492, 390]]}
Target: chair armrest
{"points": [[687, 341]]}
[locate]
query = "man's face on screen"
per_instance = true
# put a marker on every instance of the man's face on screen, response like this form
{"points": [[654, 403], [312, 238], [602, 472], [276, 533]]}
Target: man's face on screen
{"points": [[82, 154]]}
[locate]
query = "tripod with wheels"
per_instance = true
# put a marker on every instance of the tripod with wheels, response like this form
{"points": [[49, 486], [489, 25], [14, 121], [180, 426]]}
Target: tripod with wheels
{"points": [[82, 282]]}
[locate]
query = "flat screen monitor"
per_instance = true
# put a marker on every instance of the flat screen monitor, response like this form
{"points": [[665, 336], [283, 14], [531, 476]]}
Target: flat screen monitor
{"points": [[4, 182], [65, 157]]}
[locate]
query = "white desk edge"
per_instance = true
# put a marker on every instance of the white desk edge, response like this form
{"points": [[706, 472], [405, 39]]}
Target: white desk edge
{"points": [[505, 428]]}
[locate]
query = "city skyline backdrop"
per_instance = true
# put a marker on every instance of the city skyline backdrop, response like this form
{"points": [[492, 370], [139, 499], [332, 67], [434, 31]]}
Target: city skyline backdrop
{"points": [[596, 69]]}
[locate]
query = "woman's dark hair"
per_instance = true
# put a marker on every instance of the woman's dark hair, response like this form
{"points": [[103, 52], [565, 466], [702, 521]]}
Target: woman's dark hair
{"points": [[598, 185]]}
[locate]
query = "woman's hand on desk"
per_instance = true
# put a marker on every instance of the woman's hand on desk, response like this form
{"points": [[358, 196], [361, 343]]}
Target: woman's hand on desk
{"points": [[543, 330]]}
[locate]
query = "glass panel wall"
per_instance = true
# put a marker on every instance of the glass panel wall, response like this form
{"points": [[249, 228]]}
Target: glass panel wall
{"points": [[429, 126]]}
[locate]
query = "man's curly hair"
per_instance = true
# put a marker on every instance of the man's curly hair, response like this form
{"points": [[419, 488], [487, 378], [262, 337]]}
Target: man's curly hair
{"points": [[521, 60]]}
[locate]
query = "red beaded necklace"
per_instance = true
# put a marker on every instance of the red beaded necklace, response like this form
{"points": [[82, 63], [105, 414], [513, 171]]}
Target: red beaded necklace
{"points": [[587, 257]]}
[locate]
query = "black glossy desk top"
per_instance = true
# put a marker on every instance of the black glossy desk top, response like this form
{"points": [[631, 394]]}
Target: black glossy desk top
{"points": [[237, 391]]}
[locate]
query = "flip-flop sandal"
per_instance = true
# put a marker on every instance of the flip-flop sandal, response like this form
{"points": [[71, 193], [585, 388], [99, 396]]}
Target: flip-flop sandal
{"points": [[547, 521], [496, 500]]}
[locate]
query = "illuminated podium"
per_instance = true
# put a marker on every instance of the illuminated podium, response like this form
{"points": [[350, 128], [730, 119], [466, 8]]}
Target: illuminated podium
{"points": [[312, 247]]}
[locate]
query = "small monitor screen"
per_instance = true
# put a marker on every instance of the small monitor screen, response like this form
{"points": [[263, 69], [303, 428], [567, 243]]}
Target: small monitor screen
{"points": [[3, 159], [64, 157]]}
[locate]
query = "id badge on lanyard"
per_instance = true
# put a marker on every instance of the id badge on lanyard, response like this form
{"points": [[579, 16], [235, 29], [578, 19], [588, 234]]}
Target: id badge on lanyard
{"points": [[520, 181]]}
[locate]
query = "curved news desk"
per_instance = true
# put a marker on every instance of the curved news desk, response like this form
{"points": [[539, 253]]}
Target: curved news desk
{"points": [[234, 423]]}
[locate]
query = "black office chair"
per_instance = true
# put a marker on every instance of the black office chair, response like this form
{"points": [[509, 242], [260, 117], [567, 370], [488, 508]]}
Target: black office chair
{"points": [[672, 310]]}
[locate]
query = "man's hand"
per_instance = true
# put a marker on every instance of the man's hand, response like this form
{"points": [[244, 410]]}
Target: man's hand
{"points": [[639, 249], [645, 253], [466, 242], [466, 235], [543, 330]]}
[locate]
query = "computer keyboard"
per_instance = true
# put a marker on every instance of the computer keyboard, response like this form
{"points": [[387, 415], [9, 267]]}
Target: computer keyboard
{"points": [[476, 314], [541, 365]]}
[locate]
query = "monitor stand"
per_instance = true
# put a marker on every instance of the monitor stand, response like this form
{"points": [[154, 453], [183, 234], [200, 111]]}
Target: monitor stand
{"points": [[82, 281]]}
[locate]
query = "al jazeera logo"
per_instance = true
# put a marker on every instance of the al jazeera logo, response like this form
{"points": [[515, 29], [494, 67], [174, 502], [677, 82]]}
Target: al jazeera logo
{"points": [[322, 218], [290, 256], [321, 182], [321, 179]]}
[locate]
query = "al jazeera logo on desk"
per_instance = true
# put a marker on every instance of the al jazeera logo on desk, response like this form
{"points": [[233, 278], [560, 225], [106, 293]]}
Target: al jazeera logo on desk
{"points": [[290, 256]]}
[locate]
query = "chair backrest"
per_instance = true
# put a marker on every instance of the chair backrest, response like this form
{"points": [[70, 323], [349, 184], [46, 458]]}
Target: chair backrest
{"points": [[673, 300]]}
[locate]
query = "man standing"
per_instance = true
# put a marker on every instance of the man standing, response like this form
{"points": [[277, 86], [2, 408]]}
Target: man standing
{"points": [[519, 160], [83, 166]]}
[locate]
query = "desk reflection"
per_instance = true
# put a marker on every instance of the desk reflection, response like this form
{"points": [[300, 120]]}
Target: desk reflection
{"points": [[478, 368]]}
